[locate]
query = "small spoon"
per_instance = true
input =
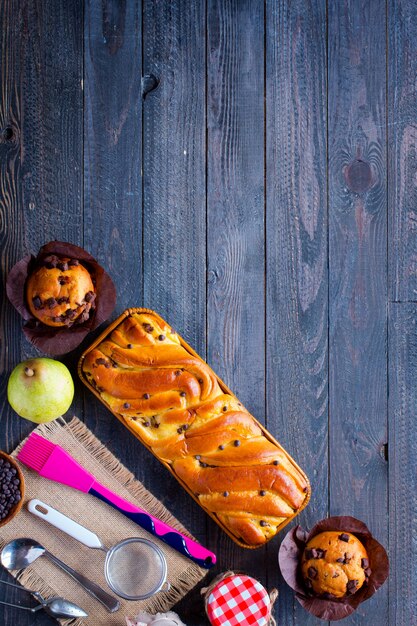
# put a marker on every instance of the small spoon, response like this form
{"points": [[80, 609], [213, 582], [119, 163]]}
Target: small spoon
{"points": [[57, 607], [20, 553]]}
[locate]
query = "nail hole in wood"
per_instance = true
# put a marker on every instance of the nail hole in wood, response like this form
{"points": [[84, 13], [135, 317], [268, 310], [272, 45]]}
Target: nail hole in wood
{"points": [[384, 451], [8, 133], [358, 175], [149, 83]]}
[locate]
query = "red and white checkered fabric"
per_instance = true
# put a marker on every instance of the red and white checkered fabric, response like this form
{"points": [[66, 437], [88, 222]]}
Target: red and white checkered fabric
{"points": [[239, 601]]}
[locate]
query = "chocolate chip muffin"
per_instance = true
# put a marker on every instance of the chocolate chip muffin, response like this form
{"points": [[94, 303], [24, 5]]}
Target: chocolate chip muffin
{"points": [[60, 292], [334, 564]]}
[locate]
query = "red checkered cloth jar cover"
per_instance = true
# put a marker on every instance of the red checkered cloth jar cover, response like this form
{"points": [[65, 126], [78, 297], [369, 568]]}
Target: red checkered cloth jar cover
{"points": [[238, 601]]}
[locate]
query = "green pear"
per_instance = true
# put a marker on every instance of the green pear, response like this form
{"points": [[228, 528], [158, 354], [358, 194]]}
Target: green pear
{"points": [[40, 390]]}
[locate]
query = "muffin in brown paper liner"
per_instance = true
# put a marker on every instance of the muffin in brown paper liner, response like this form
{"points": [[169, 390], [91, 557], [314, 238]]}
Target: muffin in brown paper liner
{"points": [[60, 340], [290, 556]]}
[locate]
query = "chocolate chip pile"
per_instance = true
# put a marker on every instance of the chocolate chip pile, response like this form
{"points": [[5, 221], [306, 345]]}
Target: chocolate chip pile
{"points": [[9, 488]]}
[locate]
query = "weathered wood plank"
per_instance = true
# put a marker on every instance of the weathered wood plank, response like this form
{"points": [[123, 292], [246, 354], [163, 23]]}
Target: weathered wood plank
{"points": [[174, 195], [296, 244], [402, 464], [112, 175], [402, 144], [235, 219], [358, 272], [40, 173]]}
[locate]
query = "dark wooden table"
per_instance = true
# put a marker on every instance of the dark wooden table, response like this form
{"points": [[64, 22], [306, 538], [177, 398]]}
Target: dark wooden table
{"points": [[263, 199]]}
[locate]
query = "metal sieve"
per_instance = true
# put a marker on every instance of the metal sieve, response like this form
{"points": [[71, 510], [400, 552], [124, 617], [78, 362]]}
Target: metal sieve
{"points": [[134, 568]]}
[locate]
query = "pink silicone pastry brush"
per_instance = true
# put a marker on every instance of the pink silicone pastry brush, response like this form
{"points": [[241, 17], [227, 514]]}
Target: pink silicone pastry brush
{"points": [[51, 461]]}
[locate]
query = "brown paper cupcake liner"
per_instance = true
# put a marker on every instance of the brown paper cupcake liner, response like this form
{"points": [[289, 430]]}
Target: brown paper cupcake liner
{"points": [[57, 341], [289, 558]]}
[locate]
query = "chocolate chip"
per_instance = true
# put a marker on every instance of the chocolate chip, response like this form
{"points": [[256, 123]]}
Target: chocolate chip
{"points": [[182, 394], [90, 296], [161, 337], [224, 409], [200, 380], [70, 313], [50, 261], [262, 493], [348, 558], [146, 423], [263, 523], [352, 586], [58, 319], [340, 560], [50, 303], [236, 443], [179, 430], [318, 553], [221, 447], [63, 300], [186, 426], [178, 373], [335, 575], [64, 280], [129, 346], [148, 328], [101, 361], [126, 405], [146, 396], [305, 489], [197, 457], [225, 493], [73, 262], [312, 572], [344, 537], [62, 265], [83, 318], [327, 596], [37, 303], [275, 462], [203, 464], [364, 563]]}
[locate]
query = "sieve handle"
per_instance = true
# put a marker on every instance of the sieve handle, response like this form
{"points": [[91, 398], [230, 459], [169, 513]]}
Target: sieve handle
{"points": [[156, 527], [64, 523]]}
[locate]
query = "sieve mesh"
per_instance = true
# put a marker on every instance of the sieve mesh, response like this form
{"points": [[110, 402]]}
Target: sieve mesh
{"points": [[135, 568]]}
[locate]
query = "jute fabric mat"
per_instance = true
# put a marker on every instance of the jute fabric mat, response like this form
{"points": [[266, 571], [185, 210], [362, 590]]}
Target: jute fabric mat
{"points": [[110, 526]]}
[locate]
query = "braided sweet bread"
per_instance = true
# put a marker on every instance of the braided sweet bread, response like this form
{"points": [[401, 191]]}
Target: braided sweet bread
{"points": [[175, 404]]}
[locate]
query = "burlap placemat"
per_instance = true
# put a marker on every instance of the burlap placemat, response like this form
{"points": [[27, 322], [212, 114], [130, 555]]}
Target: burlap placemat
{"points": [[110, 525]]}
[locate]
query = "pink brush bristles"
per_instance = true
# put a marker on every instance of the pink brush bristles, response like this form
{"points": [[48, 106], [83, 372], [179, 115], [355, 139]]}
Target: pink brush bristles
{"points": [[35, 452]]}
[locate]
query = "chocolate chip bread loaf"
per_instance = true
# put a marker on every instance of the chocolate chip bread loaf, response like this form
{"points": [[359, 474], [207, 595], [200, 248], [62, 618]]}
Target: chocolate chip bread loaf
{"points": [[175, 404]]}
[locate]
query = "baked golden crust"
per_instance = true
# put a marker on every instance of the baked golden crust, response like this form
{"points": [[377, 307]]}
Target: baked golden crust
{"points": [[175, 404], [335, 564], [60, 292]]}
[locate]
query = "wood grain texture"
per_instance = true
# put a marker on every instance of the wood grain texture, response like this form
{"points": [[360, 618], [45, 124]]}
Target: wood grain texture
{"points": [[40, 176], [296, 244], [358, 272], [174, 166], [235, 218], [402, 464], [112, 227], [174, 195], [402, 142]]}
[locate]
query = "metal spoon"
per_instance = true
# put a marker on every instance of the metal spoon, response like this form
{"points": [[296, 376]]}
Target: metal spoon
{"points": [[20, 553], [57, 607]]}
